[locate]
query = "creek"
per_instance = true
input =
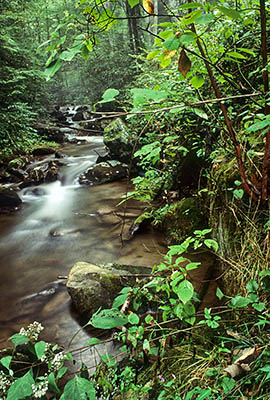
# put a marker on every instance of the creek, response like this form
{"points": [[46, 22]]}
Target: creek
{"points": [[57, 225]]}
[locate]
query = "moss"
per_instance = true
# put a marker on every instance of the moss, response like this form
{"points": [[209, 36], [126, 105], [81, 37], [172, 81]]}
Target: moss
{"points": [[182, 218]]}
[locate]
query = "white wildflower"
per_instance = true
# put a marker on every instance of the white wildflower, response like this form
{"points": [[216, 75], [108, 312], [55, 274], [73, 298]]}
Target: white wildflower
{"points": [[4, 383], [57, 361], [33, 330], [39, 390]]}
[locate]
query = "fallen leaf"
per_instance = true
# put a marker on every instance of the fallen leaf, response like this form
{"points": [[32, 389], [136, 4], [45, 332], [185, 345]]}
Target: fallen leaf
{"points": [[184, 63], [242, 365]]}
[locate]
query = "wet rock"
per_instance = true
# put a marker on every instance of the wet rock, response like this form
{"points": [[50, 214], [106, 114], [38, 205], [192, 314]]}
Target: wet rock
{"points": [[91, 286], [9, 198], [119, 140], [44, 172], [43, 151], [51, 132], [104, 172]]}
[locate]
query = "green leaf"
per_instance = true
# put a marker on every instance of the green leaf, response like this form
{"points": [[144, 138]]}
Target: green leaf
{"points": [[85, 52], [227, 384], [189, 312], [184, 291], [133, 3], [200, 113], [119, 300], [93, 341], [219, 294], [52, 384], [192, 265], [239, 301], [197, 81], [40, 348], [259, 306], [53, 67], [259, 125], [190, 5], [229, 12], [205, 19], [19, 339], [109, 95], [79, 388], [235, 54], [187, 38], [133, 319], [252, 286], [211, 243], [22, 387], [265, 272], [172, 43], [191, 17], [61, 372], [108, 319], [5, 361], [148, 319], [152, 54], [238, 194]]}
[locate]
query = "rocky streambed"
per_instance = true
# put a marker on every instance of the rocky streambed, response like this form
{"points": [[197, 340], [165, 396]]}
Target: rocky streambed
{"points": [[67, 218]]}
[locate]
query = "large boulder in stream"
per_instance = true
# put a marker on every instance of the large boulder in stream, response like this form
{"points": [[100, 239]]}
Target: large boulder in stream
{"points": [[51, 132], [9, 198], [119, 140], [91, 286], [104, 172]]}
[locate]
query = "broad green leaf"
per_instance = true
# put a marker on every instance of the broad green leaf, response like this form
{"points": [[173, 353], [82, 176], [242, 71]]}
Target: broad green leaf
{"points": [[146, 345], [22, 387], [133, 3], [211, 243], [190, 5], [252, 286], [61, 372], [197, 81], [19, 339], [52, 68], [200, 113], [52, 383], [189, 312], [133, 319], [187, 38], [119, 300], [93, 341], [148, 318], [141, 96], [229, 12], [172, 43], [204, 19], [109, 95], [192, 265], [108, 319], [240, 302], [185, 291], [259, 125], [227, 384], [40, 348], [85, 52], [265, 272], [79, 389], [5, 361], [259, 306], [191, 17], [152, 54]]}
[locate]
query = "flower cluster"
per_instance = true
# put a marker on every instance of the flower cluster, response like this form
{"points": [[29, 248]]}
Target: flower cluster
{"points": [[39, 390], [4, 383], [33, 330], [57, 361]]}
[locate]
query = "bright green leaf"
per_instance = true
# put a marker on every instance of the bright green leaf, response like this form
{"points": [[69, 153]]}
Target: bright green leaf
{"points": [[211, 243], [40, 348], [5, 361], [229, 12], [172, 43], [19, 339], [22, 387], [185, 291], [187, 38], [52, 383], [79, 388], [197, 81], [205, 19], [108, 319], [133, 319], [239, 302], [93, 341], [119, 300], [133, 3]]}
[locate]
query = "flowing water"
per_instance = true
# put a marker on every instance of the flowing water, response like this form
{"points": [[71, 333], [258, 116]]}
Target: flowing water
{"points": [[59, 224]]}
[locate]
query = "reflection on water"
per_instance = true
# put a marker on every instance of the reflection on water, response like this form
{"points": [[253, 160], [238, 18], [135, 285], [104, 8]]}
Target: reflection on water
{"points": [[59, 224]]}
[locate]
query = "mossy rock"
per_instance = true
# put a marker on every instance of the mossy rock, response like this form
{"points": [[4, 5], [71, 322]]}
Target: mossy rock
{"points": [[182, 218], [93, 286], [119, 140]]}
